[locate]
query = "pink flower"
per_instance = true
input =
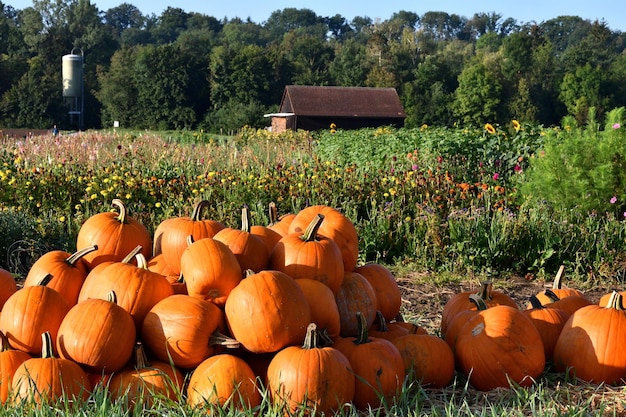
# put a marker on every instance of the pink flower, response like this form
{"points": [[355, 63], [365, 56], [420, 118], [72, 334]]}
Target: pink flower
{"points": [[496, 176], [613, 200], [616, 126], [517, 168]]}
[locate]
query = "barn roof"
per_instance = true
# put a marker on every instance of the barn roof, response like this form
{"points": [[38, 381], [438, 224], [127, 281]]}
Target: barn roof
{"points": [[362, 102]]}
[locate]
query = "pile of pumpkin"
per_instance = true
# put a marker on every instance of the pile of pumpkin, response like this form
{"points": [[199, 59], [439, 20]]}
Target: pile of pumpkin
{"points": [[208, 314]]}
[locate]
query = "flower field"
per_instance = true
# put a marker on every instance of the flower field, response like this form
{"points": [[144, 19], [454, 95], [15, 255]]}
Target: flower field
{"points": [[502, 200]]}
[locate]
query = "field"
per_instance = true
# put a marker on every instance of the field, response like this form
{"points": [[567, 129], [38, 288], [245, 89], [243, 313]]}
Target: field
{"points": [[444, 209]]}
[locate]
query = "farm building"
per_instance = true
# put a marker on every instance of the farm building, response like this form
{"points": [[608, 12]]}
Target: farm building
{"points": [[315, 108]]}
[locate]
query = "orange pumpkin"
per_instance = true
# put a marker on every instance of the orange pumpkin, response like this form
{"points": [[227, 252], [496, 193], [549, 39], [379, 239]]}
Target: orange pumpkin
{"points": [[355, 295], [48, 379], [68, 272], [427, 359], [324, 311], [267, 233], [115, 235], [569, 303], [388, 295], [223, 380], [336, 227], [280, 224], [97, 334], [10, 360], [590, 346], [171, 236], [309, 255], [157, 264], [267, 311], [558, 289], [8, 286], [549, 321], [384, 330], [377, 365], [311, 377]]}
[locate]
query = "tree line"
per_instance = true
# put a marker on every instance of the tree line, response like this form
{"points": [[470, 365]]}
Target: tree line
{"points": [[186, 70]]}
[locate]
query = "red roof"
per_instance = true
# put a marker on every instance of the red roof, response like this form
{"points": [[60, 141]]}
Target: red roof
{"points": [[361, 102]]}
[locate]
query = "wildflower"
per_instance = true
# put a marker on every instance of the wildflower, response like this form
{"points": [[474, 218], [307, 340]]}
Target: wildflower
{"points": [[616, 126], [516, 125], [517, 168], [489, 128], [613, 200], [414, 167], [496, 176], [157, 204]]}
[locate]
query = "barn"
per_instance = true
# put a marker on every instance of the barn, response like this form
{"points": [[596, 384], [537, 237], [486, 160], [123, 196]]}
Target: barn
{"points": [[319, 107]]}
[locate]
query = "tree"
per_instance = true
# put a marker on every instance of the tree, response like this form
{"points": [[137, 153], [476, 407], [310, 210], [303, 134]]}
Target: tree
{"points": [[478, 96], [350, 66], [118, 92], [123, 17], [580, 91]]}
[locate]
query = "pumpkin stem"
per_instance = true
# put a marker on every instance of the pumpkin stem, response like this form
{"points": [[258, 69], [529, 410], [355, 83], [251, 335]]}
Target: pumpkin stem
{"points": [[479, 301], [197, 210], [219, 338], [273, 213], [122, 217], [615, 301], [73, 258], [311, 339], [245, 219], [557, 283], [311, 231], [112, 297], [362, 334], [141, 261], [535, 303], [323, 339], [484, 292], [132, 254], [46, 346], [551, 295], [4, 343], [141, 360], [45, 280], [382, 323]]}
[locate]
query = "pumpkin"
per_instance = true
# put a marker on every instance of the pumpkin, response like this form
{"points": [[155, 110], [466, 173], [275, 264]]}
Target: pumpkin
{"points": [[280, 224], [210, 270], [388, 296], [68, 272], [309, 255], [549, 321], [459, 320], [336, 227], [223, 380], [461, 301], [97, 334], [142, 381], [157, 264], [115, 235], [558, 289], [182, 329], [138, 289], [171, 236], [47, 379], [427, 359], [384, 330], [355, 295], [250, 250], [498, 346], [269, 236], [267, 311], [569, 304], [31, 311], [324, 311], [8, 286], [591, 344], [10, 360], [378, 367], [311, 377]]}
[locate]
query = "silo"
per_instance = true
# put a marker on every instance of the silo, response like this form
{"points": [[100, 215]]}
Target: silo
{"points": [[72, 75]]}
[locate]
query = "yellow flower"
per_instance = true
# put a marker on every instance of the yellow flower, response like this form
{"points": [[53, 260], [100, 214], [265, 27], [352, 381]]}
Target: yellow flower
{"points": [[516, 125], [489, 128], [62, 219], [333, 126], [157, 204]]}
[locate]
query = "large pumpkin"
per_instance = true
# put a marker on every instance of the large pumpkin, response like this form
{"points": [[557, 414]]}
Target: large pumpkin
{"points": [[115, 235], [356, 295], [267, 311], [388, 295], [337, 226], [549, 321], [10, 360], [324, 311], [558, 289], [591, 344], [427, 359], [8, 286], [311, 377]]}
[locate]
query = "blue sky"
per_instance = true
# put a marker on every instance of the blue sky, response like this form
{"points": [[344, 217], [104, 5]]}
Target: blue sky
{"points": [[611, 11]]}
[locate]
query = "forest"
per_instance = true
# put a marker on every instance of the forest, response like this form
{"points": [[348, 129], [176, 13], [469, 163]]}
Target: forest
{"points": [[185, 70]]}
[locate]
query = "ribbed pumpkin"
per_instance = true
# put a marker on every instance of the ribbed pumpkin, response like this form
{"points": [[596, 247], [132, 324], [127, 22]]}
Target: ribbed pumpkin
{"points": [[267, 311], [324, 311], [549, 322], [157, 264], [142, 381], [8, 286], [31, 311], [48, 379], [569, 303], [115, 235], [558, 289], [171, 236], [250, 250], [498, 346], [10, 360], [138, 289], [336, 227], [591, 344], [311, 377], [461, 301], [388, 295], [181, 329], [308, 254], [378, 367], [97, 334], [210, 270], [68, 272], [223, 380], [355, 295], [427, 359]]}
